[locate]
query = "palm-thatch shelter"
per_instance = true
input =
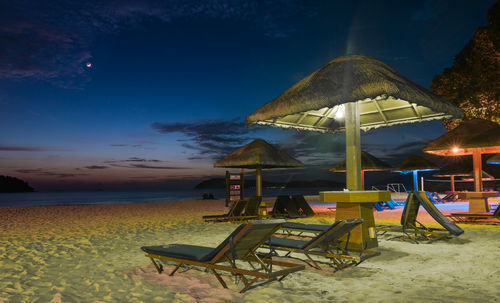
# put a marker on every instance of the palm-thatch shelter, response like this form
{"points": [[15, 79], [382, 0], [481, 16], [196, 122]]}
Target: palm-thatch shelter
{"points": [[368, 163], [413, 164], [257, 155], [350, 93], [473, 137], [494, 160]]}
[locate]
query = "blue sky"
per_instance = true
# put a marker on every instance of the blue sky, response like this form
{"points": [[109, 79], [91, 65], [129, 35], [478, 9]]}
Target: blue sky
{"points": [[171, 82]]}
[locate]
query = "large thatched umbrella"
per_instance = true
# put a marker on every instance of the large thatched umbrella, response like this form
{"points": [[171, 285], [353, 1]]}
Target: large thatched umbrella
{"points": [[350, 93], [257, 155], [414, 164], [473, 137], [368, 163]]}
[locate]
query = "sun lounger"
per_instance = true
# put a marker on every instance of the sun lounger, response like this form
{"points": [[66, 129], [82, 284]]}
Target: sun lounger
{"points": [[450, 197], [413, 229], [285, 207], [239, 247], [474, 217], [236, 210], [298, 229], [434, 197], [303, 206], [326, 244]]}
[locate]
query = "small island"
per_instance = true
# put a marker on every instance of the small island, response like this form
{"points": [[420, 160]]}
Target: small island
{"points": [[14, 185]]}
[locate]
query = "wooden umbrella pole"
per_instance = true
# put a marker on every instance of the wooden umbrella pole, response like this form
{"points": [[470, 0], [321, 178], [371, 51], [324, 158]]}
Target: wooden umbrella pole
{"points": [[353, 146], [452, 183], [258, 182], [478, 178]]}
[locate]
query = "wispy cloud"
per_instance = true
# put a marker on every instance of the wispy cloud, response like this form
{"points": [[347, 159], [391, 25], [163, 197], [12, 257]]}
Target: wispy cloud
{"points": [[27, 148], [47, 172], [50, 40], [135, 159], [209, 139], [96, 167]]}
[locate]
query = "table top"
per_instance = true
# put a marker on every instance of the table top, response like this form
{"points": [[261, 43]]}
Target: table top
{"points": [[354, 196], [477, 194]]}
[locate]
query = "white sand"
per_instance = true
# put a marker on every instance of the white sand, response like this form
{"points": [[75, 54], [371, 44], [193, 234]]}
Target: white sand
{"points": [[92, 254]]}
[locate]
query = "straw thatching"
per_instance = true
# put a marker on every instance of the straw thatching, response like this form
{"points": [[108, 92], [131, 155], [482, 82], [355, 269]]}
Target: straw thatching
{"points": [[477, 133], [415, 162], [385, 98], [258, 154], [494, 160], [368, 162], [462, 168]]}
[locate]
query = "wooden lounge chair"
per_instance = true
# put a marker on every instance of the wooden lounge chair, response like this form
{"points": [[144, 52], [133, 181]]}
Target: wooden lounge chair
{"points": [[414, 230], [251, 211], [326, 244], [434, 197], [285, 207], [475, 217], [450, 197], [239, 247], [301, 229], [303, 206], [236, 210]]}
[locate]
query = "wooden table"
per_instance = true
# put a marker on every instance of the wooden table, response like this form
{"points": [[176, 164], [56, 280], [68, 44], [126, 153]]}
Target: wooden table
{"points": [[478, 201], [357, 204]]}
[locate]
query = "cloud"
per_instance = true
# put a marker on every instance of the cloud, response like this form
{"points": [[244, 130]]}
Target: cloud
{"points": [[50, 40], [96, 167], [45, 172], [209, 139], [21, 148], [135, 159]]}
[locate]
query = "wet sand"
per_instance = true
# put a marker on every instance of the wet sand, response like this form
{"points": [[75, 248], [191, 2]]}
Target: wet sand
{"points": [[91, 253]]}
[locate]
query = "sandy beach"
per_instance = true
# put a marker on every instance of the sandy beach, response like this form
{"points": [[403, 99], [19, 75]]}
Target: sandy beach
{"points": [[91, 253]]}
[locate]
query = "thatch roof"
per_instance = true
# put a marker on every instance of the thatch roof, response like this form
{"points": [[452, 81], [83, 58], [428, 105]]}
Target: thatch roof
{"points": [[258, 153], [494, 160], [415, 162], [385, 98], [461, 167], [368, 162], [471, 134]]}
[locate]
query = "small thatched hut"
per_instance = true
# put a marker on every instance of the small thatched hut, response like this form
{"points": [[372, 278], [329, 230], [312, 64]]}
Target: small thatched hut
{"points": [[257, 155], [414, 164]]}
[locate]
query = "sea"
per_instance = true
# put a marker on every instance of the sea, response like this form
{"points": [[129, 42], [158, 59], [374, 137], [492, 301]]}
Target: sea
{"points": [[43, 198]]}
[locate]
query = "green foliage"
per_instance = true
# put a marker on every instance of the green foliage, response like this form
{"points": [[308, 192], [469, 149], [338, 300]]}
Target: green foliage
{"points": [[473, 82]]}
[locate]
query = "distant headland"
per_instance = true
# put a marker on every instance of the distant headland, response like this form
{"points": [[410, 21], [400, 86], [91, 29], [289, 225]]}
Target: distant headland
{"points": [[221, 183], [14, 185]]}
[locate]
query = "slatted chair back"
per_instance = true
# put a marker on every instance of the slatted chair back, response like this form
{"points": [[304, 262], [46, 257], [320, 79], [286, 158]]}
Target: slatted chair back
{"points": [[410, 211], [332, 236], [238, 208], [252, 206], [246, 239], [279, 205]]}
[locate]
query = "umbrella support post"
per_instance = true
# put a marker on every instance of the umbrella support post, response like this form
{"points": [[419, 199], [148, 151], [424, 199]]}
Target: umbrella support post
{"points": [[353, 146]]}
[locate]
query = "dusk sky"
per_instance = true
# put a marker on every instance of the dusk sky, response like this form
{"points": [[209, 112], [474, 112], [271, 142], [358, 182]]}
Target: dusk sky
{"points": [[108, 94]]}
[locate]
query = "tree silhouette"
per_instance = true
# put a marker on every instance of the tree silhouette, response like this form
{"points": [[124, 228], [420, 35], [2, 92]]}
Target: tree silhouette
{"points": [[13, 185]]}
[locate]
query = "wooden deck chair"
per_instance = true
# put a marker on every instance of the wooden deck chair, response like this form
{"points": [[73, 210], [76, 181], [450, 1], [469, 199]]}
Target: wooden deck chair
{"points": [[251, 211], [303, 206], [475, 217], [239, 247], [236, 210], [326, 244], [285, 207], [301, 229], [450, 197], [434, 197], [414, 230], [378, 206]]}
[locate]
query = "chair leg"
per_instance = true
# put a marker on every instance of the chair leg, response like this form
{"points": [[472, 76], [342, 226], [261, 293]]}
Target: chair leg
{"points": [[219, 278], [158, 267], [175, 269], [247, 285]]}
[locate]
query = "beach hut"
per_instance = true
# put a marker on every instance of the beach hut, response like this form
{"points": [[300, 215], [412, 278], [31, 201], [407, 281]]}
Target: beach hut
{"points": [[368, 163], [413, 164], [257, 155], [348, 94], [473, 137]]}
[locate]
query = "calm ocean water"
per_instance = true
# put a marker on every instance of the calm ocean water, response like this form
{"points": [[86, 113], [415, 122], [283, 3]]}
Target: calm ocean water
{"points": [[124, 197]]}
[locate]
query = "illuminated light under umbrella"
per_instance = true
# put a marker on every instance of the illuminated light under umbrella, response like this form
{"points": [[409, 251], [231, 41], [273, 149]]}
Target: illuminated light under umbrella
{"points": [[368, 163], [494, 160], [473, 137], [370, 94], [257, 155], [413, 164]]}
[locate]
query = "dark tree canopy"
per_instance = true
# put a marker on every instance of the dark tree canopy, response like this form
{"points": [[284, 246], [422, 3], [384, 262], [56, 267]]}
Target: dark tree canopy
{"points": [[473, 82], [13, 185]]}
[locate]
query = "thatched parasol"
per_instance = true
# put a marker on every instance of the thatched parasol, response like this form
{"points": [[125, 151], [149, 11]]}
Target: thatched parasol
{"points": [[368, 163], [414, 164], [258, 154], [494, 160], [350, 93], [473, 137]]}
